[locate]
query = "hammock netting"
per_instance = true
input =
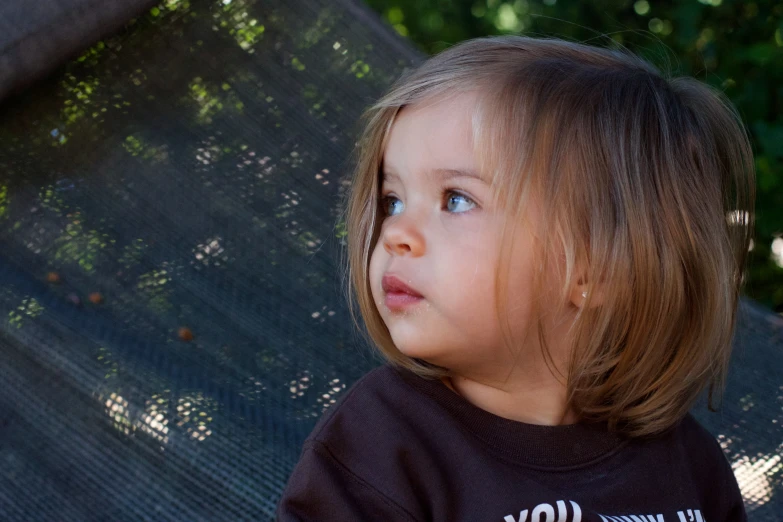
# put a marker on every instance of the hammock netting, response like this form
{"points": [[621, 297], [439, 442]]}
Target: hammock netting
{"points": [[172, 320]]}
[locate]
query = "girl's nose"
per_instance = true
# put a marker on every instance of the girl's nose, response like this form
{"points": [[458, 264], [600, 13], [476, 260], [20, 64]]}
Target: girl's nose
{"points": [[402, 237]]}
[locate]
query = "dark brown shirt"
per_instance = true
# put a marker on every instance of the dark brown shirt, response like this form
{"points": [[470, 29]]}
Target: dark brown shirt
{"points": [[400, 447]]}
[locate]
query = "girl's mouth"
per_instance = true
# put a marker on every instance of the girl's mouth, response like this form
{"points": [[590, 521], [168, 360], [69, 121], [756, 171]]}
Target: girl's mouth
{"points": [[398, 295], [400, 301]]}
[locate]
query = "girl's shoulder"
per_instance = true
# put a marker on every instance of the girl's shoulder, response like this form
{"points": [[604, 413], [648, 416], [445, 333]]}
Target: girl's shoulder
{"points": [[700, 444], [375, 401], [350, 466], [703, 460]]}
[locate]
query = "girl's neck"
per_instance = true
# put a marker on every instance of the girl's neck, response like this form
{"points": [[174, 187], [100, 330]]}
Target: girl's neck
{"points": [[543, 404]]}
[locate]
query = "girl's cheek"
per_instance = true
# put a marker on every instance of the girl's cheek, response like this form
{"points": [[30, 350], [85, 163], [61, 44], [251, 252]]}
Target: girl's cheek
{"points": [[469, 225]]}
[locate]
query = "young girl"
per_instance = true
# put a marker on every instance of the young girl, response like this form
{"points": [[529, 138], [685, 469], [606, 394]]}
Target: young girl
{"points": [[546, 242]]}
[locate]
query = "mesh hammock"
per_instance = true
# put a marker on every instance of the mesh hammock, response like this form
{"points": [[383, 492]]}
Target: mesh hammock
{"points": [[171, 318]]}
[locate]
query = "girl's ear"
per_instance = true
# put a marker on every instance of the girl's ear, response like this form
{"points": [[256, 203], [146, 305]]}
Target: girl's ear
{"points": [[586, 295]]}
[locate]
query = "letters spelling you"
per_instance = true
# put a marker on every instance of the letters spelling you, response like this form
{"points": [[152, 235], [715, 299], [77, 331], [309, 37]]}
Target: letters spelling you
{"points": [[547, 513]]}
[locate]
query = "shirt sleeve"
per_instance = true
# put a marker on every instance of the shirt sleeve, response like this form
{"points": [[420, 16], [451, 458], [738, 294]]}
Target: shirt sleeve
{"points": [[322, 489], [735, 506]]}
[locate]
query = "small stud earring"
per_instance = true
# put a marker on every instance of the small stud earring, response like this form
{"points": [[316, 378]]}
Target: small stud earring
{"points": [[584, 294]]}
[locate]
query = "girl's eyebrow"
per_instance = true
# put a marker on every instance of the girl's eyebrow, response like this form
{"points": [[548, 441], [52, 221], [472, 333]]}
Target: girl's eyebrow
{"points": [[445, 174]]}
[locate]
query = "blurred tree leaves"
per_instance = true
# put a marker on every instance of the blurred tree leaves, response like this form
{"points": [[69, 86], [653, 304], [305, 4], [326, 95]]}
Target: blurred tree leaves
{"points": [[734, 45]]}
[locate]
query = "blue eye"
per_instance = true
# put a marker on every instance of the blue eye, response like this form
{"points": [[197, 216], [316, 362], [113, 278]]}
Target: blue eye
{"points": [[391, 206], [458, 203]]}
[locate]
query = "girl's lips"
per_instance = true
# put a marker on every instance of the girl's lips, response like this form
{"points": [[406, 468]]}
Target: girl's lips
{"points": [[393, 285], [399, 301], [398, 294]]}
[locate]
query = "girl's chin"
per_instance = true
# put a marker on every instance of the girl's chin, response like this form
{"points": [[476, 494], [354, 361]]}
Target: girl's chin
{"points": [[412, 350], [427, 354], [422, 339]]}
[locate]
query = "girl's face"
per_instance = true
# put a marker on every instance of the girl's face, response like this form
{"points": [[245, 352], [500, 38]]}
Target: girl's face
{"points": [[440, 237]]}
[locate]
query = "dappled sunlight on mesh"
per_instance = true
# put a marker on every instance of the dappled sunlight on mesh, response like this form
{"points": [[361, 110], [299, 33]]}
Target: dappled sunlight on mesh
{"points": [[322, 314], [211, 252], [326, 396], [755, 476], [297, 387], [330, 397], [153, 421], [194, 415], [28, 308], [322, 175], [118, 411]]}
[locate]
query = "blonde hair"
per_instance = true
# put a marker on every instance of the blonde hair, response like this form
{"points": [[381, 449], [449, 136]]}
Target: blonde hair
{"points": [[648, 187]]}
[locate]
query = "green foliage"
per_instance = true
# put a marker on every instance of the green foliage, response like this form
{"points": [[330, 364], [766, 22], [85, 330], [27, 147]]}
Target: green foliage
{"points": [[734, 45], [3, 201]]}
